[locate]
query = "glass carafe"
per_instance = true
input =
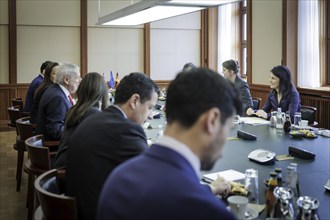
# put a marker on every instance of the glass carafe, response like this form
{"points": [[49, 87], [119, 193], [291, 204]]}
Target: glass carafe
{"points": [[308, 208], [283, 208]]}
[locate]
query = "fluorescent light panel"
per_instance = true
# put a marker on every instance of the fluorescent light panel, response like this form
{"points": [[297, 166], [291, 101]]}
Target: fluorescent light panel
{"points": [[152, 10], [152, 14], [200, 2]]}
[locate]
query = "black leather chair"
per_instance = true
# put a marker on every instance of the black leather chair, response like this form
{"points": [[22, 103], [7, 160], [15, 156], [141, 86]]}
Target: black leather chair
{"points": [[256, 102], [309, 113], [18, 102], [54, 204]]}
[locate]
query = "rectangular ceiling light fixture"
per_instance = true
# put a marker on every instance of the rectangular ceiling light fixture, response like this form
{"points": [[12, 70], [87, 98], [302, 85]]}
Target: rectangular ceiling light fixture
{"points": [[152, 10]]}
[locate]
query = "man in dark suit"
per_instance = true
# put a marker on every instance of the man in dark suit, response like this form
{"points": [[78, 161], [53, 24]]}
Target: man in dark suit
{"points": [[56, 101], [105, 140], [163, 183], [33, 87]]}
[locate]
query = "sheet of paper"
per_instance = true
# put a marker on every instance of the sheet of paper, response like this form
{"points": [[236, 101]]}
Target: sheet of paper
{"points": [[253, 121], [229, 175], [284, 157]]}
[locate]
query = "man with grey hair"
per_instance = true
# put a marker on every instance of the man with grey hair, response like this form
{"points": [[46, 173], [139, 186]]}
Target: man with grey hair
{"points": [[56, 101]]}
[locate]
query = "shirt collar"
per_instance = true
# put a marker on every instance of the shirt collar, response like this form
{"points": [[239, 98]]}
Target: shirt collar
{"points": [[42, 75], [117, 107], [182, 149], [66, 92]]}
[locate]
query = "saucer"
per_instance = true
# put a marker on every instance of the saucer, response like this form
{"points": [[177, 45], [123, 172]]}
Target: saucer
{"points": [[251, 214], [327, 185]]}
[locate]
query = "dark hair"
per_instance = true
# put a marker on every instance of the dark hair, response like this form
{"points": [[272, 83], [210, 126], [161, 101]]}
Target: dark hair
{"points": [[91, 90], [284, 74], [44, 65], [188, 67], [135, 83], [47, 81], [192, 93], [231, 65]]}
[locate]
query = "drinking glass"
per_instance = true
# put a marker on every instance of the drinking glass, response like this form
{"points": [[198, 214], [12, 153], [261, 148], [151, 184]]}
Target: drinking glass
{"points": [[251, 184], [236, 119], [297, 119]]}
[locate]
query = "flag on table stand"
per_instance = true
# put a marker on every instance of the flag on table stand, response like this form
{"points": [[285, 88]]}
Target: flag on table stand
{"points": [[111, 81]]}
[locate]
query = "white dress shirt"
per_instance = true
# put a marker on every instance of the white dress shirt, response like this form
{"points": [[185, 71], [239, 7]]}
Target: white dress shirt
{"points": [[66, 92]]}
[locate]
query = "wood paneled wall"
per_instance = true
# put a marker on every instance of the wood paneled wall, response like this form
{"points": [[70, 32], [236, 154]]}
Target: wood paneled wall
{"points": [[318, 99], [7, 93], [11, 91]]}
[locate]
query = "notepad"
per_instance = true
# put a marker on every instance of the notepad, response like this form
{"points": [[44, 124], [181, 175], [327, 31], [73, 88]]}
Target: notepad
{"points": [[253, 121], [229, 175]]}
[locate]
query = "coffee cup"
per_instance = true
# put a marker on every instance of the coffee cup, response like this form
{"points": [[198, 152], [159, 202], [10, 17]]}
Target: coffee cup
{"points": [[303, 123], [238, 205]]}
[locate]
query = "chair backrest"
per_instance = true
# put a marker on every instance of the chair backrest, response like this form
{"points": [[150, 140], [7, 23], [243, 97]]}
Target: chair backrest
{"points": [[14, 114], [38, 154], [256, 103], [308, 113], [18, 102], [53, 203], [25, 128]]}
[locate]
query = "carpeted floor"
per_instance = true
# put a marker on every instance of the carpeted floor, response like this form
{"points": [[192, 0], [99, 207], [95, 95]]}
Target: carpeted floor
{"points": [[12, 203]]}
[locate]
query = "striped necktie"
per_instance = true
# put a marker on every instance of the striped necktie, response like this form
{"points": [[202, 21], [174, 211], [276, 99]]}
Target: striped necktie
{"points": [[70, 99]]}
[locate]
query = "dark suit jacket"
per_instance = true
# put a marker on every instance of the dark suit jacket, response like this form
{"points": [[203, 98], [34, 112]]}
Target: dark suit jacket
{"points": [[30, 93], [99, 144], [51, 113], [61, 156], [244, 93], [35, 105], [159, 184]]}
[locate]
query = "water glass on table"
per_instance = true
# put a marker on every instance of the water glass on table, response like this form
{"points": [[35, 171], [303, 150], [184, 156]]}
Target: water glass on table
{"points": [[297, 119], [251, 185]]}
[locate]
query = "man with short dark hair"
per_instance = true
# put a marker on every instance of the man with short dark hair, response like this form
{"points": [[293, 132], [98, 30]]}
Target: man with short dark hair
{"points": [[105, 140], [163, 183], [33, 87]]}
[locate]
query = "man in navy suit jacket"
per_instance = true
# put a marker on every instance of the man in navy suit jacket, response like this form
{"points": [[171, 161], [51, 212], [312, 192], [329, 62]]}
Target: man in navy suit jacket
{"points": [[105, 140], [163, 183], [56, 101], [33, 87]]}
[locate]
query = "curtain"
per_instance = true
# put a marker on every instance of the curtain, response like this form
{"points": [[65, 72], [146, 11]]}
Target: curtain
{"points": [[308, 44], [228, 33]]}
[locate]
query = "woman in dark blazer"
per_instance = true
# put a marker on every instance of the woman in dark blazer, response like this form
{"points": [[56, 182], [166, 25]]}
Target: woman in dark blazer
{"points": [[283, 95], [93, 97], [230, 70]]}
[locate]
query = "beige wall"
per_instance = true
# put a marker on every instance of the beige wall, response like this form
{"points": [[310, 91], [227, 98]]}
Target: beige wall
{"points": [[46, 30], [35, 44], [116, 49], [266, 38], [174, 42], [119, 49], [49, 30]]}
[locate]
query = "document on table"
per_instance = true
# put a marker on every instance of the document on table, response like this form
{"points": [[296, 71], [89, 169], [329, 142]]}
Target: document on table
{"points": [[253, 121], [229, 175]]}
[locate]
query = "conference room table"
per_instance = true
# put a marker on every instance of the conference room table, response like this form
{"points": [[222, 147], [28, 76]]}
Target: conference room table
{"points": [[313, 174]]}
